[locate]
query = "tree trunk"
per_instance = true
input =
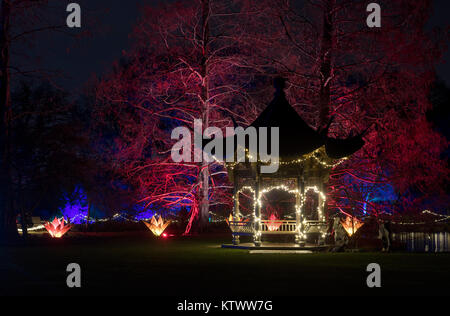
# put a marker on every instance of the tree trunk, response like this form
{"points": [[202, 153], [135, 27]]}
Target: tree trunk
{"points": [[326, 64], [204, 206], [204, 175], [8, 228]]}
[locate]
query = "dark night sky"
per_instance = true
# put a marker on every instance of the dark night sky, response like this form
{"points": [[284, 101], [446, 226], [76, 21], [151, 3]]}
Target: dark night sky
{"points": [[111, 22]]}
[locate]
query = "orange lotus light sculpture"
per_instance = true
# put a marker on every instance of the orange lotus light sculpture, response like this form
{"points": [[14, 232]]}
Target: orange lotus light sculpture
{"points": [[57, 228], [351, 225], [273, 224], [230, 219], [238, 219], [157, 226]]}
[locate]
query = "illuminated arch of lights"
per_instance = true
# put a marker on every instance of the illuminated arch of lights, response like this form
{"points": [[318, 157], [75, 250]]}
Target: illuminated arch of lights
{"points": [[301, 198]]}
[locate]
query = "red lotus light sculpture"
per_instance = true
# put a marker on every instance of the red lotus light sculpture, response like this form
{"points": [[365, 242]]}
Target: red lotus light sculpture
{"points": [[351, 225], [157, 226], [273, 224], [57, 228]]}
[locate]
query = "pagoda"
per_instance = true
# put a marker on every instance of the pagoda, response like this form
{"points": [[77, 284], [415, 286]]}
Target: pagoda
{"points": [[306, 157]]}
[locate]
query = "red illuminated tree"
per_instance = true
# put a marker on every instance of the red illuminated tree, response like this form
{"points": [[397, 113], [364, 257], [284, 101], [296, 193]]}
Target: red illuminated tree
{"points": [[374, 79], [188, 63], [207, 60]]}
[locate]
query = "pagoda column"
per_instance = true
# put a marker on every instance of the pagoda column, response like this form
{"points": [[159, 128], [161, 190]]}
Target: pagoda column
{"points": [[236, 216], [321, 239], [302, 235], [321, 201], [257, 223], [298, 212], [322, 204]]}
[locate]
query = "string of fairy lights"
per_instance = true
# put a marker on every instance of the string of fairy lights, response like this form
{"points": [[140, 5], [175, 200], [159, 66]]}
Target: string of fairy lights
{"points": [[31, 229], [443, 218], [85, 218], [114, 217], [313, 155], [436, 214], [258, 201], [245, 188]]}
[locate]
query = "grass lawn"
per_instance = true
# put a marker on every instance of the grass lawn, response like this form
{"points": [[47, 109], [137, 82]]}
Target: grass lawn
{"points": [[141, 264]]}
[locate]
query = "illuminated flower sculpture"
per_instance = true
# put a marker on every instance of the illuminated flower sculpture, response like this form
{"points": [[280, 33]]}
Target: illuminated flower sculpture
{"points": [[230, 219], [238, 219], [351, 225], [273, 224], [157, 226], [57, 228]]}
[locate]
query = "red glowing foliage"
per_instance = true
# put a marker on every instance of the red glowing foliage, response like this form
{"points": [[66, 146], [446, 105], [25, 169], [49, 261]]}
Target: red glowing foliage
{"points": [[374, 80], [188, 63], [209, 60]]}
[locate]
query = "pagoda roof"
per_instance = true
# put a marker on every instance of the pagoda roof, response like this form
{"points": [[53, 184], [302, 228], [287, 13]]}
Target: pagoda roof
{"points": [[296, 137]]}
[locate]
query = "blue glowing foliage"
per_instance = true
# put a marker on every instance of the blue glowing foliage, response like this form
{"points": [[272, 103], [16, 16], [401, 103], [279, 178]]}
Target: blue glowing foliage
{"points": [[374, 195], [75, 206], [143, 213]]}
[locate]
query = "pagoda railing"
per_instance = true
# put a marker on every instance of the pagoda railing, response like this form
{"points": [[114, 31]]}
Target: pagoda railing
{"points": [[315, 226], [241, 227], [278, 226]]}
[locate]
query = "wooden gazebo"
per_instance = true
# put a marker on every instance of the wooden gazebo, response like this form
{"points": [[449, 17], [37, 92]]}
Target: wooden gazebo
{"points": [[306, 157]]}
